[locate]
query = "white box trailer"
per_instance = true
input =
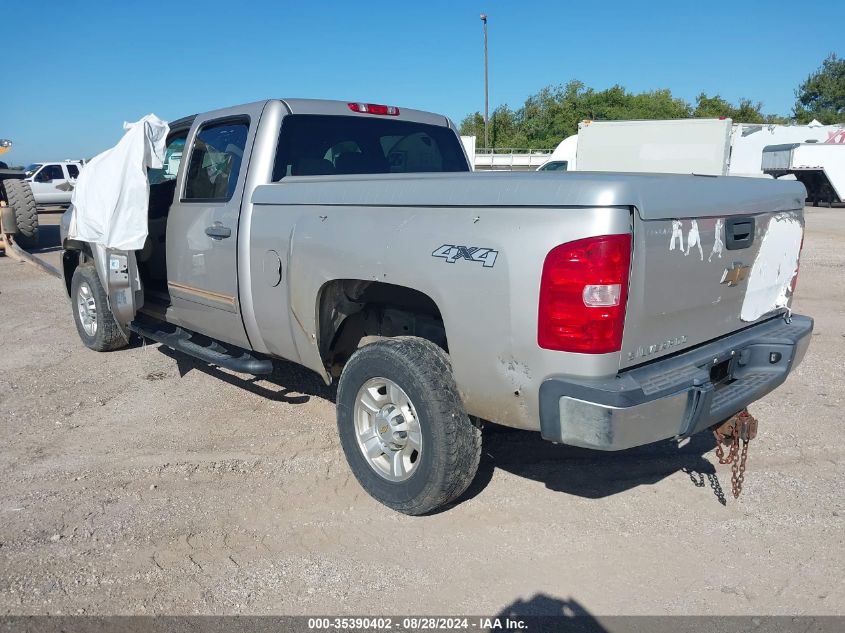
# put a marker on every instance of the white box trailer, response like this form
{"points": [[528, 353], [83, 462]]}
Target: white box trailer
{"points": [[819, 166], [702, 146], [678, 146]]}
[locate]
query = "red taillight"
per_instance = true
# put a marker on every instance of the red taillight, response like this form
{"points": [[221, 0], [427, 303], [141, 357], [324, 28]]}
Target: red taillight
{"points": [[583, 292], [374, 108]]}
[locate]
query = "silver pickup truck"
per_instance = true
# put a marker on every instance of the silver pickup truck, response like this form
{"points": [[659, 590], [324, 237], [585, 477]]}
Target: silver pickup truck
{"points": [[603, 310]]}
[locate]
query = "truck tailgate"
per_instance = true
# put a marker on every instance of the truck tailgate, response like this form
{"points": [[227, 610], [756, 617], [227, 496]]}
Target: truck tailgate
{"points": [[699, 278]]}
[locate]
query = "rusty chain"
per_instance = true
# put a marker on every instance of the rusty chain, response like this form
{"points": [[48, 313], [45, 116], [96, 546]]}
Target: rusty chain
{"points": [[720, 445], [735, 432]]}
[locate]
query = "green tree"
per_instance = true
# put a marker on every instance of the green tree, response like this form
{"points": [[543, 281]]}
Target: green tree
{"points": [[554, 113], [746, 111], [473, 125], [504, 127], [707, 107], [822, 95]]}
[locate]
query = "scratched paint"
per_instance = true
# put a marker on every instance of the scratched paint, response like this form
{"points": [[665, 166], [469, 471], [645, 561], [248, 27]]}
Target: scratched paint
{"points": [[694, 239], [677, 235], [774, 268], [718, 244]]}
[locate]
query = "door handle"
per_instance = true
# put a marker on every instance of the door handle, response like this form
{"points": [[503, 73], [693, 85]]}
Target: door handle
{"points": [[217, 231]]}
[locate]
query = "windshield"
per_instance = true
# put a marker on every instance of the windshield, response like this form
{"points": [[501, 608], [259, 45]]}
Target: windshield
{"points": [[557, 165], [318, 145], [32, 169]]}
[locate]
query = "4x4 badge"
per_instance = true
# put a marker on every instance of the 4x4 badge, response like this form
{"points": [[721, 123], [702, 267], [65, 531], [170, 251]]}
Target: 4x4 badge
{"points": [[451, 253], [736, 273]]}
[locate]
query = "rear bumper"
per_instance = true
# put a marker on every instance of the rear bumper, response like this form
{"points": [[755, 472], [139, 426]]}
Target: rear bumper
{"points": [[676, 396]]}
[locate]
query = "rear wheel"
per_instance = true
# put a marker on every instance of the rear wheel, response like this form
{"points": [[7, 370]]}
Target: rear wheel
{"points": [[402, 425], [94, 320], [20, 199]]}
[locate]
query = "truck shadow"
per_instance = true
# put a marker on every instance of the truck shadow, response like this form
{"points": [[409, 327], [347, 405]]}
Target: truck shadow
{"points": [[546, 613], [289, 382], [592, 474], [49, 239], [567, 469]]}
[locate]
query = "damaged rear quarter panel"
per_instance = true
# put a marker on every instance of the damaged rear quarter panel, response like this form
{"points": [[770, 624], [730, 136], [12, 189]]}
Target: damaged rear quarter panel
{"points": [[489, 312]]}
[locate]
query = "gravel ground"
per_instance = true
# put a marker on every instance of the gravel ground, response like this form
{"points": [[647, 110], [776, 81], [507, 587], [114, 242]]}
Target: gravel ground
{"points": [[139, 482]]}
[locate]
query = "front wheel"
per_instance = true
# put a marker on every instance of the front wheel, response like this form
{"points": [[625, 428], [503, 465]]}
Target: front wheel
{"points": [[402, 425], [94, 320]]}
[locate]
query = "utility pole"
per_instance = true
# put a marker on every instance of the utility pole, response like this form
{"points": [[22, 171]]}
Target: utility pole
{"points": [[486, 99]]}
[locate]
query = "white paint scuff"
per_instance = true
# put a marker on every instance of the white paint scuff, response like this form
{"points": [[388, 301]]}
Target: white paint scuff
{"points": [[774, 268], [694, 239], [677, 235], [718, 244]]}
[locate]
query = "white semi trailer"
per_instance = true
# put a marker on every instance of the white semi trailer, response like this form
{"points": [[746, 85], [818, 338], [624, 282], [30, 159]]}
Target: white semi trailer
{"points": [[819, 166], [750, 141]]}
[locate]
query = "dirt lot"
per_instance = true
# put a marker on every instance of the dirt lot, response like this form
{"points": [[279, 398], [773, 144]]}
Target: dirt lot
{"points": [[140, 482]]}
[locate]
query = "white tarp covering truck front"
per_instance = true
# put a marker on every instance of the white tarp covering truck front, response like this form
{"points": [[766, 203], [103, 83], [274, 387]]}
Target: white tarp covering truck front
{"points": [[112, 193]]}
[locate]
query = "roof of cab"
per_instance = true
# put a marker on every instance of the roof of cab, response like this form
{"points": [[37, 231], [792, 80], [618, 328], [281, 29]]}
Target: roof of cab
{"points": [[326, 106], [331, 107]]}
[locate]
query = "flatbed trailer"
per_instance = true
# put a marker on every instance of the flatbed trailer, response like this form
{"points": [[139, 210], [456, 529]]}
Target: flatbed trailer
{"points": [[820, 167]]}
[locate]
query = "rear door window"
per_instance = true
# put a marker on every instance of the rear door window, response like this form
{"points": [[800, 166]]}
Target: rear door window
{"points": [[215, 162], [72, 171], [315, 145]]}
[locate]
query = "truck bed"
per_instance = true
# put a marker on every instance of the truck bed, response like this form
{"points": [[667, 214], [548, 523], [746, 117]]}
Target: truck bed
{"points": [[679, 296], [655, 196]]}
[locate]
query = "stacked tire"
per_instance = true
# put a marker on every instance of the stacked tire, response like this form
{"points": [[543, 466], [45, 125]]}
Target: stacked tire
{"points": [[19, 198]]}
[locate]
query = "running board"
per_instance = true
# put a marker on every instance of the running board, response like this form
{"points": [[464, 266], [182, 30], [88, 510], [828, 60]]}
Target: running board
{"points": [[203, 348]]}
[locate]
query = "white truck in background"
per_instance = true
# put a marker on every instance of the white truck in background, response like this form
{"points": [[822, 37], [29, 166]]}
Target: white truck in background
{"points": [[52, 183], [564, 157]]}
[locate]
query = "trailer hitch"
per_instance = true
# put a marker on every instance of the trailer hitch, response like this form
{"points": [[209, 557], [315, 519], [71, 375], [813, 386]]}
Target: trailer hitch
{"points": [[735, 433]]}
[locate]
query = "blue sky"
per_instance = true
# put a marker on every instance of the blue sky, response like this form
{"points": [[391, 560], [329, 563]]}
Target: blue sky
{"points": [[83, 67]]}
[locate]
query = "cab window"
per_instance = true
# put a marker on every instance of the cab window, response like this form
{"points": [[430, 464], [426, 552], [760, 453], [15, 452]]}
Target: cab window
{"points": [[215, 161], [319, 145], [49, 173]]}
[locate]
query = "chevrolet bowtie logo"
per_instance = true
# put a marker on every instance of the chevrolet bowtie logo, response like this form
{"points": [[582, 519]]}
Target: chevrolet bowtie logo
{"points": [[736, 273]]}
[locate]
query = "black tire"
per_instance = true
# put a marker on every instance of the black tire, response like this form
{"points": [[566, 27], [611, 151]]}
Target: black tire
{"points": [[451, 444], [19, 197], [107, 335]]}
